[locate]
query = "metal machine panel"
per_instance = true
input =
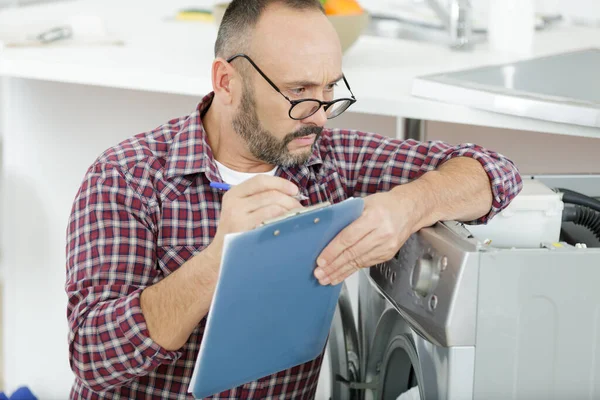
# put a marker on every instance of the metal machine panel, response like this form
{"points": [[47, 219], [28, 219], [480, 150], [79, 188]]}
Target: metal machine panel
{"points": [[538, 331], [432, 281]]}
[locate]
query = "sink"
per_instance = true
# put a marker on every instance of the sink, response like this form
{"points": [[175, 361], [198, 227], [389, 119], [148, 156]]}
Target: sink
{"points": [[390, 26]]}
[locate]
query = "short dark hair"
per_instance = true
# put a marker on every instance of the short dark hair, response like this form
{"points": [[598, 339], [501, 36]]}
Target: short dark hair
{"points": [[242, 15]]}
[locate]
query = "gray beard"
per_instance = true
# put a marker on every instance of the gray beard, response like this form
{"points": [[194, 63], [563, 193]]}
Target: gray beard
{"points": [[262, 144]]}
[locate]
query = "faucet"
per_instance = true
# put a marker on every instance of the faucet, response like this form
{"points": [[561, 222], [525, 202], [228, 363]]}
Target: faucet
{"points": [[458, 20]]}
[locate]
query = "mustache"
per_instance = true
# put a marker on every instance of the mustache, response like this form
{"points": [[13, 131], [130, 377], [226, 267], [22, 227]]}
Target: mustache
{"points": [[302, 132]]}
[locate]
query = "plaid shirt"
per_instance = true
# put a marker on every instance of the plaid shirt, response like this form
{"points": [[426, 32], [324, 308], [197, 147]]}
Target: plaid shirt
{"points": [[145, 207]]}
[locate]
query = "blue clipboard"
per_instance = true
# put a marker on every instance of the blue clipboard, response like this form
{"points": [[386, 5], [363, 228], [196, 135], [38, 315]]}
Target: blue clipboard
{"points": [[269, 313]]}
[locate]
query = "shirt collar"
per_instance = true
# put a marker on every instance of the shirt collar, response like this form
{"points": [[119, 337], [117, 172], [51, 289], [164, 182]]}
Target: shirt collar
{"points": [[191, 154]]}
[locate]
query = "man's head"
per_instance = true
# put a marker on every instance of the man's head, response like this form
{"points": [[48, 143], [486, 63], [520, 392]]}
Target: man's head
{"points": [[297, 49]]}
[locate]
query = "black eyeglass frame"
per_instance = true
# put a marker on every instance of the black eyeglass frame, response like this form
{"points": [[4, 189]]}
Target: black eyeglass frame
{"points": [[294, 103]]}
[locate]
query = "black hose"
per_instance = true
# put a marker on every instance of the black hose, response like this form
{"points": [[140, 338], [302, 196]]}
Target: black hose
{"points": [[584, 216], [571, 197]]}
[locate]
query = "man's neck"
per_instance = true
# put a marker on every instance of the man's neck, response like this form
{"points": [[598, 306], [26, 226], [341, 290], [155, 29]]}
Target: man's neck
{"points": [[227, 146]]}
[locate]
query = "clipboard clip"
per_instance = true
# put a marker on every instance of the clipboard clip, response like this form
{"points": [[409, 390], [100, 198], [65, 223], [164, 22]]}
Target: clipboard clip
{"points": [[294, 212]]}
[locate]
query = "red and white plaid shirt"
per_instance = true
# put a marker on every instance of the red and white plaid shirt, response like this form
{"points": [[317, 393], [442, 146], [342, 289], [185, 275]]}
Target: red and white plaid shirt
{"points": [[145, 207]]}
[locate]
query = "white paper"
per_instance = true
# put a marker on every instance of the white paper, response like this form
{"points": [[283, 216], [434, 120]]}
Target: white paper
{"points": [[412, 394]]}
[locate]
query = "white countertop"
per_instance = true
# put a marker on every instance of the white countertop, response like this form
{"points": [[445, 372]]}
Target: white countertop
{"points": [[175, 57]]}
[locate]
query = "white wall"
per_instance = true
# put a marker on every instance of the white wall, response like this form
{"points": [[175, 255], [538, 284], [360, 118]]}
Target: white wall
{"points": [[52, 133]]}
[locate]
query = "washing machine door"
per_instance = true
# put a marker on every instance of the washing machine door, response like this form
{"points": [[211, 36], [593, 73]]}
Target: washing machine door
{"points": [[393, 366], [343, 351]]}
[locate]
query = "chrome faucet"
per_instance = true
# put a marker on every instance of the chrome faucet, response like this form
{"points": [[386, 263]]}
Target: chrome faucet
{"points": [[458, 20]]}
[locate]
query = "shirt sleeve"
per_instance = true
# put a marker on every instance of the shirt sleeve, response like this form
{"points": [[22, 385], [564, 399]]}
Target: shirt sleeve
{"points": [[110, 260], [373, 163]]}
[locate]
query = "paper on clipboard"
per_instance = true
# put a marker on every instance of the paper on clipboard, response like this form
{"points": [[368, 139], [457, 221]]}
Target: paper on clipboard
{"points": [[269, 313]]}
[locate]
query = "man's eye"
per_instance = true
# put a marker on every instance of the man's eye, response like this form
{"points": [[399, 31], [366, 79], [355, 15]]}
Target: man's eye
{"points": [[331, 86], [297, 91]]}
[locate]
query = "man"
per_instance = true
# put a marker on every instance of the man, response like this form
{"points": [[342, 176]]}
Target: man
{"points": [[146, 232]]}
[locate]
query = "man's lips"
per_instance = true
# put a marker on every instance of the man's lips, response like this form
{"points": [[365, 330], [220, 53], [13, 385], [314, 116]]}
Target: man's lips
{"points": [[305, 140]]}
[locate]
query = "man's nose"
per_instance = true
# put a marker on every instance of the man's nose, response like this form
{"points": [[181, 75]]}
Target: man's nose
{"points": [[319, 118]]}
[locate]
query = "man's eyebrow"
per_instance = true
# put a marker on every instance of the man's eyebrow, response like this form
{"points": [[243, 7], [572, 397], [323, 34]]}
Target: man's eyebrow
{"points": [[311, 83]]}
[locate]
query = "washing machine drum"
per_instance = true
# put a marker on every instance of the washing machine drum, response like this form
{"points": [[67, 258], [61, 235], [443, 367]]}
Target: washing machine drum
{"points": [[393, 366]]}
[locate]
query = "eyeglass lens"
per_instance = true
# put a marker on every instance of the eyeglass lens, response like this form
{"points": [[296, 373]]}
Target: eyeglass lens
{"points": [[307, 108]]}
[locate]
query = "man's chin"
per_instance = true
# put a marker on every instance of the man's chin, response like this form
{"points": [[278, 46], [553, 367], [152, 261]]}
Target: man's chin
{"points": [[296, 158]]}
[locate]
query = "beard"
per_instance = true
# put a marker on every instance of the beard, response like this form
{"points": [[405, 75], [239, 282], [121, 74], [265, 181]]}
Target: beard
{"points": [[263, 144]]}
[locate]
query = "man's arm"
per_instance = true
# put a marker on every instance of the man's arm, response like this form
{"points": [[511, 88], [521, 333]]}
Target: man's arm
{"points": [[410, 185], [374, 164], [174, 306], [458, 190], [124, 319], [111, 259]]}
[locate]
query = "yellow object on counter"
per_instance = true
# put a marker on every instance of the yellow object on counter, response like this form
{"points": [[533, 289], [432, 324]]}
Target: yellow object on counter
{"points": [[194, 15]]}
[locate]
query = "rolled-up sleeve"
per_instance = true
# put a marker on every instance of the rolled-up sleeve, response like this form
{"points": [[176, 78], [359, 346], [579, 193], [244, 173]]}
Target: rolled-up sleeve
{"points": [[111, 258], [373, 163]]}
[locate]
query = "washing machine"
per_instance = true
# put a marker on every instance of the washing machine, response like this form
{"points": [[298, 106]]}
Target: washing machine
{"points": [[451, 316]]}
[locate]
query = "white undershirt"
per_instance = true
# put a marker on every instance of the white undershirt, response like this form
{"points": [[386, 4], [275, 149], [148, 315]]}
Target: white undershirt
{"points": [[233, 177]]}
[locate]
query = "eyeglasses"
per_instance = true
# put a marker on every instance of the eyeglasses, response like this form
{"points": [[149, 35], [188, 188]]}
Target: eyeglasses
{"points": [[304, 108]]}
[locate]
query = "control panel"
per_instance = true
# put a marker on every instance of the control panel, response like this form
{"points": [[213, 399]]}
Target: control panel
{"points": [[432, 281]]}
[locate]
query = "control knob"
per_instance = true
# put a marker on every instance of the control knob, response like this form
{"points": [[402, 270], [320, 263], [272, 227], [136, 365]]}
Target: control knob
{"points": [[425, 275]]}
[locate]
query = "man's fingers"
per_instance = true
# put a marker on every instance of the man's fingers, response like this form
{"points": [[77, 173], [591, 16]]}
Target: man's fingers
{"points": [[353, 254], [351, 259], [376, 255], [342, 274], [268, 212], [347, 238], [262, 183], [264, 199]]}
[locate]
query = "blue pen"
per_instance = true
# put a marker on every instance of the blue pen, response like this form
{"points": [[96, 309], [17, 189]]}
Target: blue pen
{"points": [[227, 186]]}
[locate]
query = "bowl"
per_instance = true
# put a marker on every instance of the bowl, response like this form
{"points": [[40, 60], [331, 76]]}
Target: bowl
{"points": [[348, 27]]}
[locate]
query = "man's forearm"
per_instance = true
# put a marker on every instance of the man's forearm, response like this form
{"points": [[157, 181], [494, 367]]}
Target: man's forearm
{"points": [[458, 190], [174, 306]]}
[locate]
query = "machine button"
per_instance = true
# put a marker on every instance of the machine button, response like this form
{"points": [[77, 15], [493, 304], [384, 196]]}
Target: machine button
{"points": [[433, 302], [424, 276]]}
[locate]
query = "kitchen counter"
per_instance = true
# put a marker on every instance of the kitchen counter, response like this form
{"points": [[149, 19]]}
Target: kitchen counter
{"points": [[166, 56]]}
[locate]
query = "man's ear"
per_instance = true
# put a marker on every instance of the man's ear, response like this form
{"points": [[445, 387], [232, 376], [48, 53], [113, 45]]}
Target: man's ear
{"points": [[224, 80]]}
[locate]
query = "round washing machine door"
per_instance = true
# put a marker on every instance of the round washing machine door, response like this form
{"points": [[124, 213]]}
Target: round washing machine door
{"points": [[343, 353], [393, 367]]}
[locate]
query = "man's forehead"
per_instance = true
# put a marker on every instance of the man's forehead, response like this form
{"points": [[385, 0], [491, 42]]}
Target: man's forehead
{"points": [[297, 44]]}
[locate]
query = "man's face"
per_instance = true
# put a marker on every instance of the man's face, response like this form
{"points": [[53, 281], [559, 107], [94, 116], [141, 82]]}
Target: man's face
{"points": [[300, 52], [266, 146]]}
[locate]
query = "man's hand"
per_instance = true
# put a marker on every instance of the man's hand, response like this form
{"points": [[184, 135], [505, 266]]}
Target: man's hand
{"points": [[174, 306], [248, 204], [376, 236]]}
